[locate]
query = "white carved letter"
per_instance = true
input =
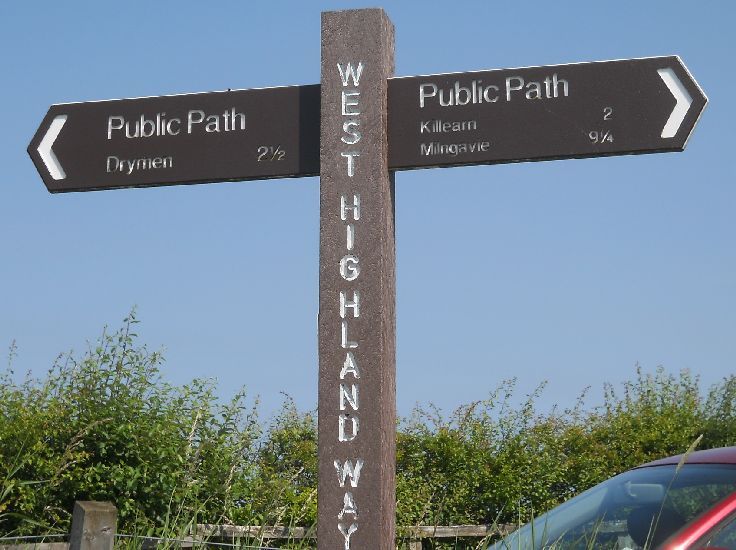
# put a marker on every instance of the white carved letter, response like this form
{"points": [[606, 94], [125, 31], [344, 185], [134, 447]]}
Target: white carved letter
{"points": [[351, 162], [354, 305], [348, 506], [347, 532], [345, 341], [350, 366], [353, 136], [350, 236], [342, 436], [350, 397], [349, 72], [111, 126], [350, 99], [431, 92], [344, 208], [347, 470], [349, 268], [194, 117]]}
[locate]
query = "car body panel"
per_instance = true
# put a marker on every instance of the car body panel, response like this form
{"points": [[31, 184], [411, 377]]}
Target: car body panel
{"points": [[723, 455], [691, 536]]}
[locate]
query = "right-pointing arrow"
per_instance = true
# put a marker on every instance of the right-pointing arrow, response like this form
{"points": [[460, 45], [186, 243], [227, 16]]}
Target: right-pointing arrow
{"points": [[684, 100], [47, 154]]}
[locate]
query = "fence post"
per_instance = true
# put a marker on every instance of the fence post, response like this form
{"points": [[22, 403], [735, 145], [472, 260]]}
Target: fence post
{"points": [[93, 526], [415, 544]]}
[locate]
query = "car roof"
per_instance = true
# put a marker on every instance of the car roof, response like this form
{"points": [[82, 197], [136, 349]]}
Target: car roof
{"points": [[722, 455]]}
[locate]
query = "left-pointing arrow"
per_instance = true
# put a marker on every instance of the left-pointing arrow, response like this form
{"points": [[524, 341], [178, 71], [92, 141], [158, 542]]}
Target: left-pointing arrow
{"points": [[47, 154]]}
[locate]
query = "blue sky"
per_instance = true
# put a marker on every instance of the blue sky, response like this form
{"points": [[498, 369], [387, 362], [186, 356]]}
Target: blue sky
{"points": [[567, 271]]}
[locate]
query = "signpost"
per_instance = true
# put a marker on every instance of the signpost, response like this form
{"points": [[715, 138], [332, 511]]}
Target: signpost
{"points": [[354, 130]]}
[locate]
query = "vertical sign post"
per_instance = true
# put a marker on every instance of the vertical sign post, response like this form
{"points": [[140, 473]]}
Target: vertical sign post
{"points": [[357, 378]]}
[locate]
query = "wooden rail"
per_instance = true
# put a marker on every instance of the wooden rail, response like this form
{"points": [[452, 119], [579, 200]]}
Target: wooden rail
{"points": [[413, 534], [205, 530], [94, 528]]}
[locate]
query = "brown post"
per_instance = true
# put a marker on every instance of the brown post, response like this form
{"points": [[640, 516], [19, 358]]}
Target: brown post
{"points": [[93, 526], [357, 291]]}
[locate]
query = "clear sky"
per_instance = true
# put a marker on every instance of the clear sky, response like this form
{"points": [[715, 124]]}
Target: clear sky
{"points": [[567, 271]]}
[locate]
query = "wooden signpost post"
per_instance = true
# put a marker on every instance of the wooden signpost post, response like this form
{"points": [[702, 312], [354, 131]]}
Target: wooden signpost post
{"points": [[355, 129], [357, 291]]}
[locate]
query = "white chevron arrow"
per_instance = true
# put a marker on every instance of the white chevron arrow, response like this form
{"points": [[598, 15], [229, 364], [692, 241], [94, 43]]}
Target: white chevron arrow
{"points": [[684, 100], [44, 149]]}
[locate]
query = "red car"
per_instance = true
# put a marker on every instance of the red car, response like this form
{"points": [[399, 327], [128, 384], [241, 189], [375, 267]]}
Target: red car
{"points": [[671, 504]]}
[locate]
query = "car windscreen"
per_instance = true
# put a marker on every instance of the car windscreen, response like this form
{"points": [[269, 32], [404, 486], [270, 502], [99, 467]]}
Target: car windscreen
{"points": [[637, 509]]}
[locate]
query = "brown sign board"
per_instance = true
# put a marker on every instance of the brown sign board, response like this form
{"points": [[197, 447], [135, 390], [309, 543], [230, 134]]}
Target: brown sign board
{"points": [[577, 110], [191, 138]]}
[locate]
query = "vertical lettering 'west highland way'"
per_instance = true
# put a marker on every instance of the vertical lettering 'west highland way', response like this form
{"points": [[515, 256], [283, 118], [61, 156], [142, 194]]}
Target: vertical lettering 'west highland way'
{"points": [[353, 130], [357, 409]]}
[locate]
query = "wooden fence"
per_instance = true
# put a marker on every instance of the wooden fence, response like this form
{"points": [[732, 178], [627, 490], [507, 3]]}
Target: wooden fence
{"points": [[412, 536], [94, 527]]}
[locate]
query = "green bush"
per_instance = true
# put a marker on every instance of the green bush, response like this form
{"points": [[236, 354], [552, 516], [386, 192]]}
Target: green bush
{"points": [[107, 427], [491, 462]]}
